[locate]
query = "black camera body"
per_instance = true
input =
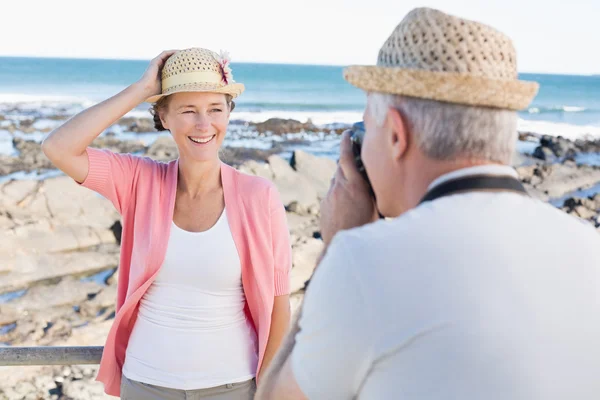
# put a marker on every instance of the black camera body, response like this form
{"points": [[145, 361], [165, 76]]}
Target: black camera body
{"points": [[357, 137]]}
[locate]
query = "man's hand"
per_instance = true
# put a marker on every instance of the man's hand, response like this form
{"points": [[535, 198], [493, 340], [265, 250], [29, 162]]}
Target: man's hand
{"points": [[348, 203]]}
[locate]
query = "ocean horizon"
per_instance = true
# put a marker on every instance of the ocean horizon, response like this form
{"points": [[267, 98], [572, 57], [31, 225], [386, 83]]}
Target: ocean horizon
{"points": [[567, 105]]}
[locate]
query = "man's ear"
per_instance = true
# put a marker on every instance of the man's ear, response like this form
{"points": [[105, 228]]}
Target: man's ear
{"points": [[398, 133]]}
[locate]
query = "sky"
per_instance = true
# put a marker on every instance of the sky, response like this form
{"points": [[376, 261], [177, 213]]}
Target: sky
{"points": [[550, 36]]}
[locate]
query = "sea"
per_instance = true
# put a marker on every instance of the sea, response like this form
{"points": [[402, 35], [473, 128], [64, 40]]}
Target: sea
{"points": [[566, 105]]}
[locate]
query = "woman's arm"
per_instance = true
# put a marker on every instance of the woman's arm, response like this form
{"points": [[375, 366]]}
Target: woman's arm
{"points": [[280, 323], [66, 146]]}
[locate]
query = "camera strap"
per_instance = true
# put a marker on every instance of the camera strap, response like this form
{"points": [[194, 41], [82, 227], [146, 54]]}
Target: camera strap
{"points": [[487, 183]]}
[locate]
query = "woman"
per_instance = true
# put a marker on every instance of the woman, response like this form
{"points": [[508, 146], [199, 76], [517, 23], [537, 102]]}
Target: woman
{"points": [[203, 283]]}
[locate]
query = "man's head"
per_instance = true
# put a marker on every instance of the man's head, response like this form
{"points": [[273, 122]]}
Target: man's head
{"points": [[409, 138], [444, 95]]}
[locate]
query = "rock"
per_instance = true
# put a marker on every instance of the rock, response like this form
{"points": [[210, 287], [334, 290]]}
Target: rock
{"points": [[85, 390], [68, 292], [253, 167], [585, 208], [163, 149], [552, 181], [142, 125], [317, 170], [291, 185], [8, 315], [93, 334], [564, 179], [559, 145], [104, 300], [27, 268], [543, 153], [47, 235], [119, 146], [47, 220], [588, 146], [279, 126], [30, 157], [304, 260], [236, 156], [584, 212]]}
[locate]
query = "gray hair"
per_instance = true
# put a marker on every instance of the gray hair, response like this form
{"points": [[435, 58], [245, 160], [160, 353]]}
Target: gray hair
{"points": [[446, 131]]}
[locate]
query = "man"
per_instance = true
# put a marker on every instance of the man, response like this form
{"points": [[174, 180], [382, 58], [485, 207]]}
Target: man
{"points": [[470, 289]]}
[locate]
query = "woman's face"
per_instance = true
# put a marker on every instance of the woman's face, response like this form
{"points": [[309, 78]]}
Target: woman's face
{"points": [[198, 122]]}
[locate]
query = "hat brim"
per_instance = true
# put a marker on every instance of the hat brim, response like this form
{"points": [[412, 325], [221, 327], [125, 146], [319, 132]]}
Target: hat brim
{"points": [[451, 87], [233, 89]]}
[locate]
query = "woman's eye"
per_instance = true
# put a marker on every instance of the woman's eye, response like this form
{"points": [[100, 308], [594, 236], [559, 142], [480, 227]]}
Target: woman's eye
{"points": [[188, 112], [216, 110]]}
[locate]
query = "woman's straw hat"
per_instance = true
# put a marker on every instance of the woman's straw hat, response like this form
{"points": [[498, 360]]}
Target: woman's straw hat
{"points": [[197, 70], [433, 55]]}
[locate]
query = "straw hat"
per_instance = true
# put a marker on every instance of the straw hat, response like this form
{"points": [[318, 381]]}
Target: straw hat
{"points": [[197, 70], [433, 55]]}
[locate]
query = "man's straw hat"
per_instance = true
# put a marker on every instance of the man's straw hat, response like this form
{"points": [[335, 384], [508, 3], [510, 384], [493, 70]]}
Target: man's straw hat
{"points": [[197, 70], [433, 55]]}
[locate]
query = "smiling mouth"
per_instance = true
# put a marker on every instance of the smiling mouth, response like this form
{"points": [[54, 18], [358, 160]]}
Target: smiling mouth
{"points": [[203, 140]]}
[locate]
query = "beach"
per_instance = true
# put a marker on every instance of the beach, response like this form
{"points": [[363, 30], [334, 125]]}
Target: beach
{"points": [[59, 242]]}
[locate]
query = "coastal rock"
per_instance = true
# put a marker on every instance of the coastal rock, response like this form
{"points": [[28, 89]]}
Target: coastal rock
{"points": [[558, 148], [236, 156], [26, 268], [163, 149], [544, 154], [104, 300], [302, 226], [588, 146], [304, 261], [119, 146], [557, 180], [253, 167], [279, 126], [317, 170], [68, 292], [30, 157], [292, 186], [584, 208], [26, 126], [141, 125]]}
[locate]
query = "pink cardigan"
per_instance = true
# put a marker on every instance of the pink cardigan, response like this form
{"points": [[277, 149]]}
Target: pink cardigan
{"points": [[143, 192]]}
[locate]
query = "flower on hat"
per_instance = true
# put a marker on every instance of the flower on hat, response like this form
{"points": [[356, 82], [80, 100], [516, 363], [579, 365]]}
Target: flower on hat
{"points": [[224, 60]]}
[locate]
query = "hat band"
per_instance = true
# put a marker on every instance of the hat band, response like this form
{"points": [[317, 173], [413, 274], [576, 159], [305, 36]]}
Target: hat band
{"points": [[192, 77]]}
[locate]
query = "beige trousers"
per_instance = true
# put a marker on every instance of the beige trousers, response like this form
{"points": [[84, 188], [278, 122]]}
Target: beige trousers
{"points": [[133, 390]]}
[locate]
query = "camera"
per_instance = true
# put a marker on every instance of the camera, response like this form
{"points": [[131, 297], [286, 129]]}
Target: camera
{"points": [[357, 135], [356, 138]]}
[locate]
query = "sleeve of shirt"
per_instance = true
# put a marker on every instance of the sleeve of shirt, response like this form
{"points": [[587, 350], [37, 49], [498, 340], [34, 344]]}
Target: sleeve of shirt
{"points": [[282, 248], [111, 175], [333, 350]]}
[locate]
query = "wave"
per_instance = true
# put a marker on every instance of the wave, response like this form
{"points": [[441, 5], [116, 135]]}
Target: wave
{"points": [[297, 106], [316, 117], [567, 131], [558, 110], [20, 98]]}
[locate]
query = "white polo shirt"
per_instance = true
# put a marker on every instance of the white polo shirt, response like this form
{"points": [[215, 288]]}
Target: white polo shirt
{"points": [[477, 295]]}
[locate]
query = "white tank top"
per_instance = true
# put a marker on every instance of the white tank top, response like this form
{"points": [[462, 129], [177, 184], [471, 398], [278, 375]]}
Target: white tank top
{"points": [[192, 331]]}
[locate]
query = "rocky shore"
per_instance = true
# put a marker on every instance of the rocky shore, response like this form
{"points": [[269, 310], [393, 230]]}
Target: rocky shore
{"points": [[59, 243]]}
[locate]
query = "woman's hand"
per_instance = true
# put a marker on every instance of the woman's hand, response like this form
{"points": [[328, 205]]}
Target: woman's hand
{"points": [[150, 82]]}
